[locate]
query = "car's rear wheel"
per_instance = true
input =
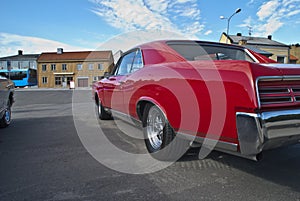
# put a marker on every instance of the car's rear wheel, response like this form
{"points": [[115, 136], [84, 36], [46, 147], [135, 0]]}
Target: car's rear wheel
{"points": [[160, 137], [6, 118]]}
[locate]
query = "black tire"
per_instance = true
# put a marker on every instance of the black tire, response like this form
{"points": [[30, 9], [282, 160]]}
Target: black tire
{"points": [[6, 118], [101, 113], [160, 137]]}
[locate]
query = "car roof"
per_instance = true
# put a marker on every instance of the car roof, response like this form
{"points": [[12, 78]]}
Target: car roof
{"points": [[173, 42]]}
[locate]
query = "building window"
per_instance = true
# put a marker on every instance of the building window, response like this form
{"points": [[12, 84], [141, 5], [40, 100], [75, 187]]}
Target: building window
{"points": [[3, 64], [64, 67], [96, 78], [280, 59], [32, 64], [44, 80], [44, 67], [91, 66], [293, 61], [79, 66], [69, 79], [53, 67], [100, 67], [58, 81]]}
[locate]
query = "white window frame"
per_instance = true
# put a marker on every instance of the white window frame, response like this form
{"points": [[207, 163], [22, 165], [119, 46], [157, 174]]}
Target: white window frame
{"points": [[53, 67], [44, 80], [79, 67]]}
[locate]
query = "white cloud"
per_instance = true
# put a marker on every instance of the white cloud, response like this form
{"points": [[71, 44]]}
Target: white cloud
{"points": [[159, 6], [131, 39], [180, 16], [191, 12], [11, 43], [270, 27], [131, 15], [208, 32], [289, 2], [246, 22], [272, 15], [250, 2], [267, 9], [183, 1], [292, 13]]}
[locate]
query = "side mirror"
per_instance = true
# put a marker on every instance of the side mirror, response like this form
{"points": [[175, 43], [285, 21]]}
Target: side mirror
{"points": [[106, 75], [3, 75]]}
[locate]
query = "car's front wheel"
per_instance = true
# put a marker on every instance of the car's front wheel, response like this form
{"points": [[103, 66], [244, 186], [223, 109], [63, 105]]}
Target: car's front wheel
{"points": [[160, 137], [6, 118], [102, 114]]}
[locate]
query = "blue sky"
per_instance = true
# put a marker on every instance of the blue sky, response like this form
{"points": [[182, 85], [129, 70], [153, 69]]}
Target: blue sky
{"points": [[37, 26]]}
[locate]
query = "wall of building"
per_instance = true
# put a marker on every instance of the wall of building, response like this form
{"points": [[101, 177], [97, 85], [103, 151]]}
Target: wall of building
{"points": [[277, 52], [50, 74], [72, 73], [92, 74], [295, 50], [224, 38]]}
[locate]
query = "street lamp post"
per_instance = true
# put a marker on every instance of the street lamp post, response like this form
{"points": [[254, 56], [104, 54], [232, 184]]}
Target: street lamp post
{"points": [[228, 21]]}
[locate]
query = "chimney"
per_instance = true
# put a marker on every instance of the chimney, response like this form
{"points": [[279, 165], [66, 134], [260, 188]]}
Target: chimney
{"points": [[60, 50], [20, 52], [270, 37], [243, 42]]}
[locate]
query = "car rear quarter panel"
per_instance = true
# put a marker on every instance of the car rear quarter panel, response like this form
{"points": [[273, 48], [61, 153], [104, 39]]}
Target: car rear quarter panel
{"points": [[197, 97]]}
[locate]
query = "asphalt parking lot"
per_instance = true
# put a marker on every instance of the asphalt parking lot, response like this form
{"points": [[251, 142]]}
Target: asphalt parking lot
{"points": [[42, 157]]}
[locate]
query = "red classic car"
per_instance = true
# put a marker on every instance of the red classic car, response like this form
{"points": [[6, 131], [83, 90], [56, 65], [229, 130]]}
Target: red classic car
{"points": [[226, 97]]}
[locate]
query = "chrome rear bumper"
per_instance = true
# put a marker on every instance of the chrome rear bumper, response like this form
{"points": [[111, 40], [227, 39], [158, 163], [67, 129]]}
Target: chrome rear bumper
{"points": [[267, 130]]}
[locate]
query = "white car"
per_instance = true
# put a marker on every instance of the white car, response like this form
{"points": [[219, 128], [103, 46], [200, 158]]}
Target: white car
{"points": [[6, 100]]}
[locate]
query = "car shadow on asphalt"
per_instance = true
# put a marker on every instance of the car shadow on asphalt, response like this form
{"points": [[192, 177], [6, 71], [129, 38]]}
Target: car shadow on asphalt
{"points": [[280, 166]]}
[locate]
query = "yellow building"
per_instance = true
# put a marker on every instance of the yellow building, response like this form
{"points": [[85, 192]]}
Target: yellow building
{"points": [[58, 69], [295, 51], [277, 51]]}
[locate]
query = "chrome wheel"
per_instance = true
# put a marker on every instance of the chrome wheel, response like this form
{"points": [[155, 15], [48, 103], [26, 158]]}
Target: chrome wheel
{"points": [[160, 136], [99, 109], [7, 116], [155, 126], [102, 114]]}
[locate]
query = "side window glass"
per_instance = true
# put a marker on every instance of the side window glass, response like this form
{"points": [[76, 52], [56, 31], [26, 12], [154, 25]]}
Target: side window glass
{"points": [[138, 61], [125, 64]]}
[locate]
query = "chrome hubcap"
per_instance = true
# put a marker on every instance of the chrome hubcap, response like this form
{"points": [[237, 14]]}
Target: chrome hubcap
{"points": [[7, 116], [99, 109], [155, 126]]}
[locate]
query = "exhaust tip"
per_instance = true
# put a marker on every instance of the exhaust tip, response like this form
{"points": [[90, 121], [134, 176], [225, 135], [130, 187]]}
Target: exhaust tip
{"points": [[259, 157]]}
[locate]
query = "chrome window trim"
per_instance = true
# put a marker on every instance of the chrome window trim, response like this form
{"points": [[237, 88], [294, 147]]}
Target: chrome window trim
{"points": [[251, 56], [142, 55], [125, 117]]}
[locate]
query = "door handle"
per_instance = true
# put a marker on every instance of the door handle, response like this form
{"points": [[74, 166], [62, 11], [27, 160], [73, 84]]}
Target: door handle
{"points": [[9, 86], [112, 79]]}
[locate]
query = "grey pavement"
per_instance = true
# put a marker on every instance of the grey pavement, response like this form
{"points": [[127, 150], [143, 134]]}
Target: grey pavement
{"points": [[42, 158]]}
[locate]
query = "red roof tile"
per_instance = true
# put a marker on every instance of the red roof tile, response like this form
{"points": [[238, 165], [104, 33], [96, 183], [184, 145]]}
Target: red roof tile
{"points": [[84, 55], [292, 57]]}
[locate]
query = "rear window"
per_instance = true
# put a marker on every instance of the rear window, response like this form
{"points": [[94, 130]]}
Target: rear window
{"points": [[194, 51]]}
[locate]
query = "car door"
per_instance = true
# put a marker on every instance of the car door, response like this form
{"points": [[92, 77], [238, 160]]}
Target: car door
{"points": [[113, 89], [3, 92], [130, 84]]}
